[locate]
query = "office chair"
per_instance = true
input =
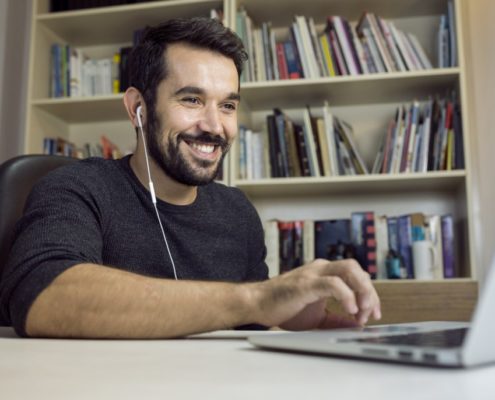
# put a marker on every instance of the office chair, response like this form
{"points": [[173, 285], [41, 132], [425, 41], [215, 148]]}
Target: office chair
{"points": [[17, 177]]}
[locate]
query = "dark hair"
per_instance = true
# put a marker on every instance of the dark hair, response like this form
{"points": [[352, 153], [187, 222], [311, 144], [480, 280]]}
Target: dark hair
{"points": [[147, 66]]}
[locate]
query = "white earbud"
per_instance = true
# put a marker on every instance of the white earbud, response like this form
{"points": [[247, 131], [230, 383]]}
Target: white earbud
{"points": [[138, 112]]}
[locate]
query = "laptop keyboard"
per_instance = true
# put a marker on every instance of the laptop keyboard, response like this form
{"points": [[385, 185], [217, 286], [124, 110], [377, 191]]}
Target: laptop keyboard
{"points": [[442, 339]]}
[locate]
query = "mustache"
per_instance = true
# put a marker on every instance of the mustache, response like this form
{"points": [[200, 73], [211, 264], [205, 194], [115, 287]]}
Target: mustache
{"points": [[203, 137]]}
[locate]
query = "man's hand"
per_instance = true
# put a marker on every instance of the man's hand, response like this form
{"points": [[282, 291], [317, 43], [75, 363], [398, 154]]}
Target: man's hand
{"points": [[296, 300]]}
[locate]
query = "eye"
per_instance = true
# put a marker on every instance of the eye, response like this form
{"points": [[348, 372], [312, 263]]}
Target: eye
{"points": [[230, 106], [191, 100]]}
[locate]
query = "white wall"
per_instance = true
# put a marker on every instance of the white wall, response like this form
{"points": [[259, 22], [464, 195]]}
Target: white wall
{"points": [[14, 49], [3, 36], [480, 54]]}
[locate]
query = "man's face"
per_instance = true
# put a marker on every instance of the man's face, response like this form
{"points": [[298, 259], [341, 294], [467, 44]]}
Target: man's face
{"points": [[195, 120]]}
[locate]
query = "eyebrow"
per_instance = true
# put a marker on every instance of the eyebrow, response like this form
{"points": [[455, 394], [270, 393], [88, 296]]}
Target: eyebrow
{"points": [[199, 91]]}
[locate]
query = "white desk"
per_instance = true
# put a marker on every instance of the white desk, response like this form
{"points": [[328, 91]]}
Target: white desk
{"points": [[214, 368]]}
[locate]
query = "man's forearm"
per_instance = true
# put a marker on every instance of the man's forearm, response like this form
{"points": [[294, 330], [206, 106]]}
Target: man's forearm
{"points": [[92, 301]]}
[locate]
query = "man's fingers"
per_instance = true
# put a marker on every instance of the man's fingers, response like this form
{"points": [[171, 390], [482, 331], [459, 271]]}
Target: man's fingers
{"points": [[335, 287], [359, 282]]}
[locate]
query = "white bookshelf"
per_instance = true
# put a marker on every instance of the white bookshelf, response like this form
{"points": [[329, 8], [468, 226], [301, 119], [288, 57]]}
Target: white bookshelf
{"points": [[366, 101], [99, 32]]}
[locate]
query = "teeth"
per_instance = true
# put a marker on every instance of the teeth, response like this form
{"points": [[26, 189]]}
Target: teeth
{"points": [[204, 148]]}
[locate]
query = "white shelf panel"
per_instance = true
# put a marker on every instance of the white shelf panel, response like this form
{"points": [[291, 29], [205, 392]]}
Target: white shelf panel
{"points": [[438, 181], [84, 109], [391, 87], [108, 25], [345, 90]]}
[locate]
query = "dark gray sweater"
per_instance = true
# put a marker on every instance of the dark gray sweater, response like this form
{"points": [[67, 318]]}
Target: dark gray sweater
{"points": [[97, 211]]}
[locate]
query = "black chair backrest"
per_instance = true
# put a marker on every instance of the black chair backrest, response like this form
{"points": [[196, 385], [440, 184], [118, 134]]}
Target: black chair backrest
{"points": [[17, 177]]}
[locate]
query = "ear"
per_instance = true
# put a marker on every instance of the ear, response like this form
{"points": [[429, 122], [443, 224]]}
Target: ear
{"points": [[133, 99]]}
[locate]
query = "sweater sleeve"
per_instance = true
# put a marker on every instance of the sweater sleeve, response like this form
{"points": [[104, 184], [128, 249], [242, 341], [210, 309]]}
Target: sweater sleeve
{"points": [[60, 228]]}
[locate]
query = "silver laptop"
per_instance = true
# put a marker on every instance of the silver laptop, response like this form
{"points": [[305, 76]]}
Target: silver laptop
{"points": [[447, 344]]}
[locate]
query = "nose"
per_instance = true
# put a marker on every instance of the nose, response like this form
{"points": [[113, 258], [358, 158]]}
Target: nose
{"points": [[211, 121]]}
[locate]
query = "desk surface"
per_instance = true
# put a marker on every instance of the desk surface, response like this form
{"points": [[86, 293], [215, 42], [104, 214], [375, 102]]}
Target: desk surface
{"points": [[214, 366]]}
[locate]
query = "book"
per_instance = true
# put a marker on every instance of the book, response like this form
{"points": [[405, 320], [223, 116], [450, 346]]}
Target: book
{"points": [[276, 166], [367, 21], [433, 233], [292, 61], [448, 237], [272, 247], [327, 55], [452, 34], [333, 239], [290, 245], [330, 140], [404, 232], [345, 131], [283, 69], [311, 145], [308, 241], [364, 240], [286, 246], [391, 43], [306, 47], [337, 25], [382, 249], [302, 150]]}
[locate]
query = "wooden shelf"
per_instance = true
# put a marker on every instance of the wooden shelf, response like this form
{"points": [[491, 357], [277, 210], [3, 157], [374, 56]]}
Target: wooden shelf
{"points": [[346, 90], [110, 25], [391, 87], [84, 109], [413, 301], [440, 181]]}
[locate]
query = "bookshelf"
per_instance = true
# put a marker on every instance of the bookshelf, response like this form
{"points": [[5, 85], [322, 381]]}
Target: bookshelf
{"points": [[99, 32], [366, 101]]}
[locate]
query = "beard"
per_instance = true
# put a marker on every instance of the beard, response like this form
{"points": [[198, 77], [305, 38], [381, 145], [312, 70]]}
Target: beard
{"points": [[173, 162]]}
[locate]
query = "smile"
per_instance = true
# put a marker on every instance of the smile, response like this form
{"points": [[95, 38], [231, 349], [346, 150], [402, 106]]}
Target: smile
{"points": [[203, 148], [203, 151]]}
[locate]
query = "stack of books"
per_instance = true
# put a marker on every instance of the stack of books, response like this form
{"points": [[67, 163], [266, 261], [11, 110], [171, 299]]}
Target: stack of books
{"points": [[447, 43], [422, 138], [62, 147], [373, 240], [373, 45], [317, 147], [73, 74]]}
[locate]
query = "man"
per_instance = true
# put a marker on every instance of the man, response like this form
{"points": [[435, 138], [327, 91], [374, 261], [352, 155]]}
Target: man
{"points": [[90, 258]]}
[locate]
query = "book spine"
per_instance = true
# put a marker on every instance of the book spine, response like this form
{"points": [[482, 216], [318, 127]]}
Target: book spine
{"points": [[273, 146], [405, 244], [381, 236], [286, 245], [302, 150], [447, 222], [309, 241], [292, 64], [272, 247], [282, 62], [345, 45]]}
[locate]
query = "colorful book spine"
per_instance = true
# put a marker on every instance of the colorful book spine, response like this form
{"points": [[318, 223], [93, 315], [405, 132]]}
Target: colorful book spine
{"points": [[447, 222], [404, 229]]}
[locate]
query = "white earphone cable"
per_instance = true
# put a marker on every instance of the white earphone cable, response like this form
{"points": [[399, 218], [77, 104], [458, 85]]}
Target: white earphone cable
{"points": [[152, 191]]}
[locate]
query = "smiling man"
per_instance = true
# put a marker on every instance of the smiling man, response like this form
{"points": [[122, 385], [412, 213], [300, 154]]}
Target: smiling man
{"points": [[95, 257]]}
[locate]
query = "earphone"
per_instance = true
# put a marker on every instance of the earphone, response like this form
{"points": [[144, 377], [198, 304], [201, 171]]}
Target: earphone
{"points": [[152, 188]]}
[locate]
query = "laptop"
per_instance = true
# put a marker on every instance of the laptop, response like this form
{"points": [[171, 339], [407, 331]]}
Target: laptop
{"points": [[434, 343]]}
